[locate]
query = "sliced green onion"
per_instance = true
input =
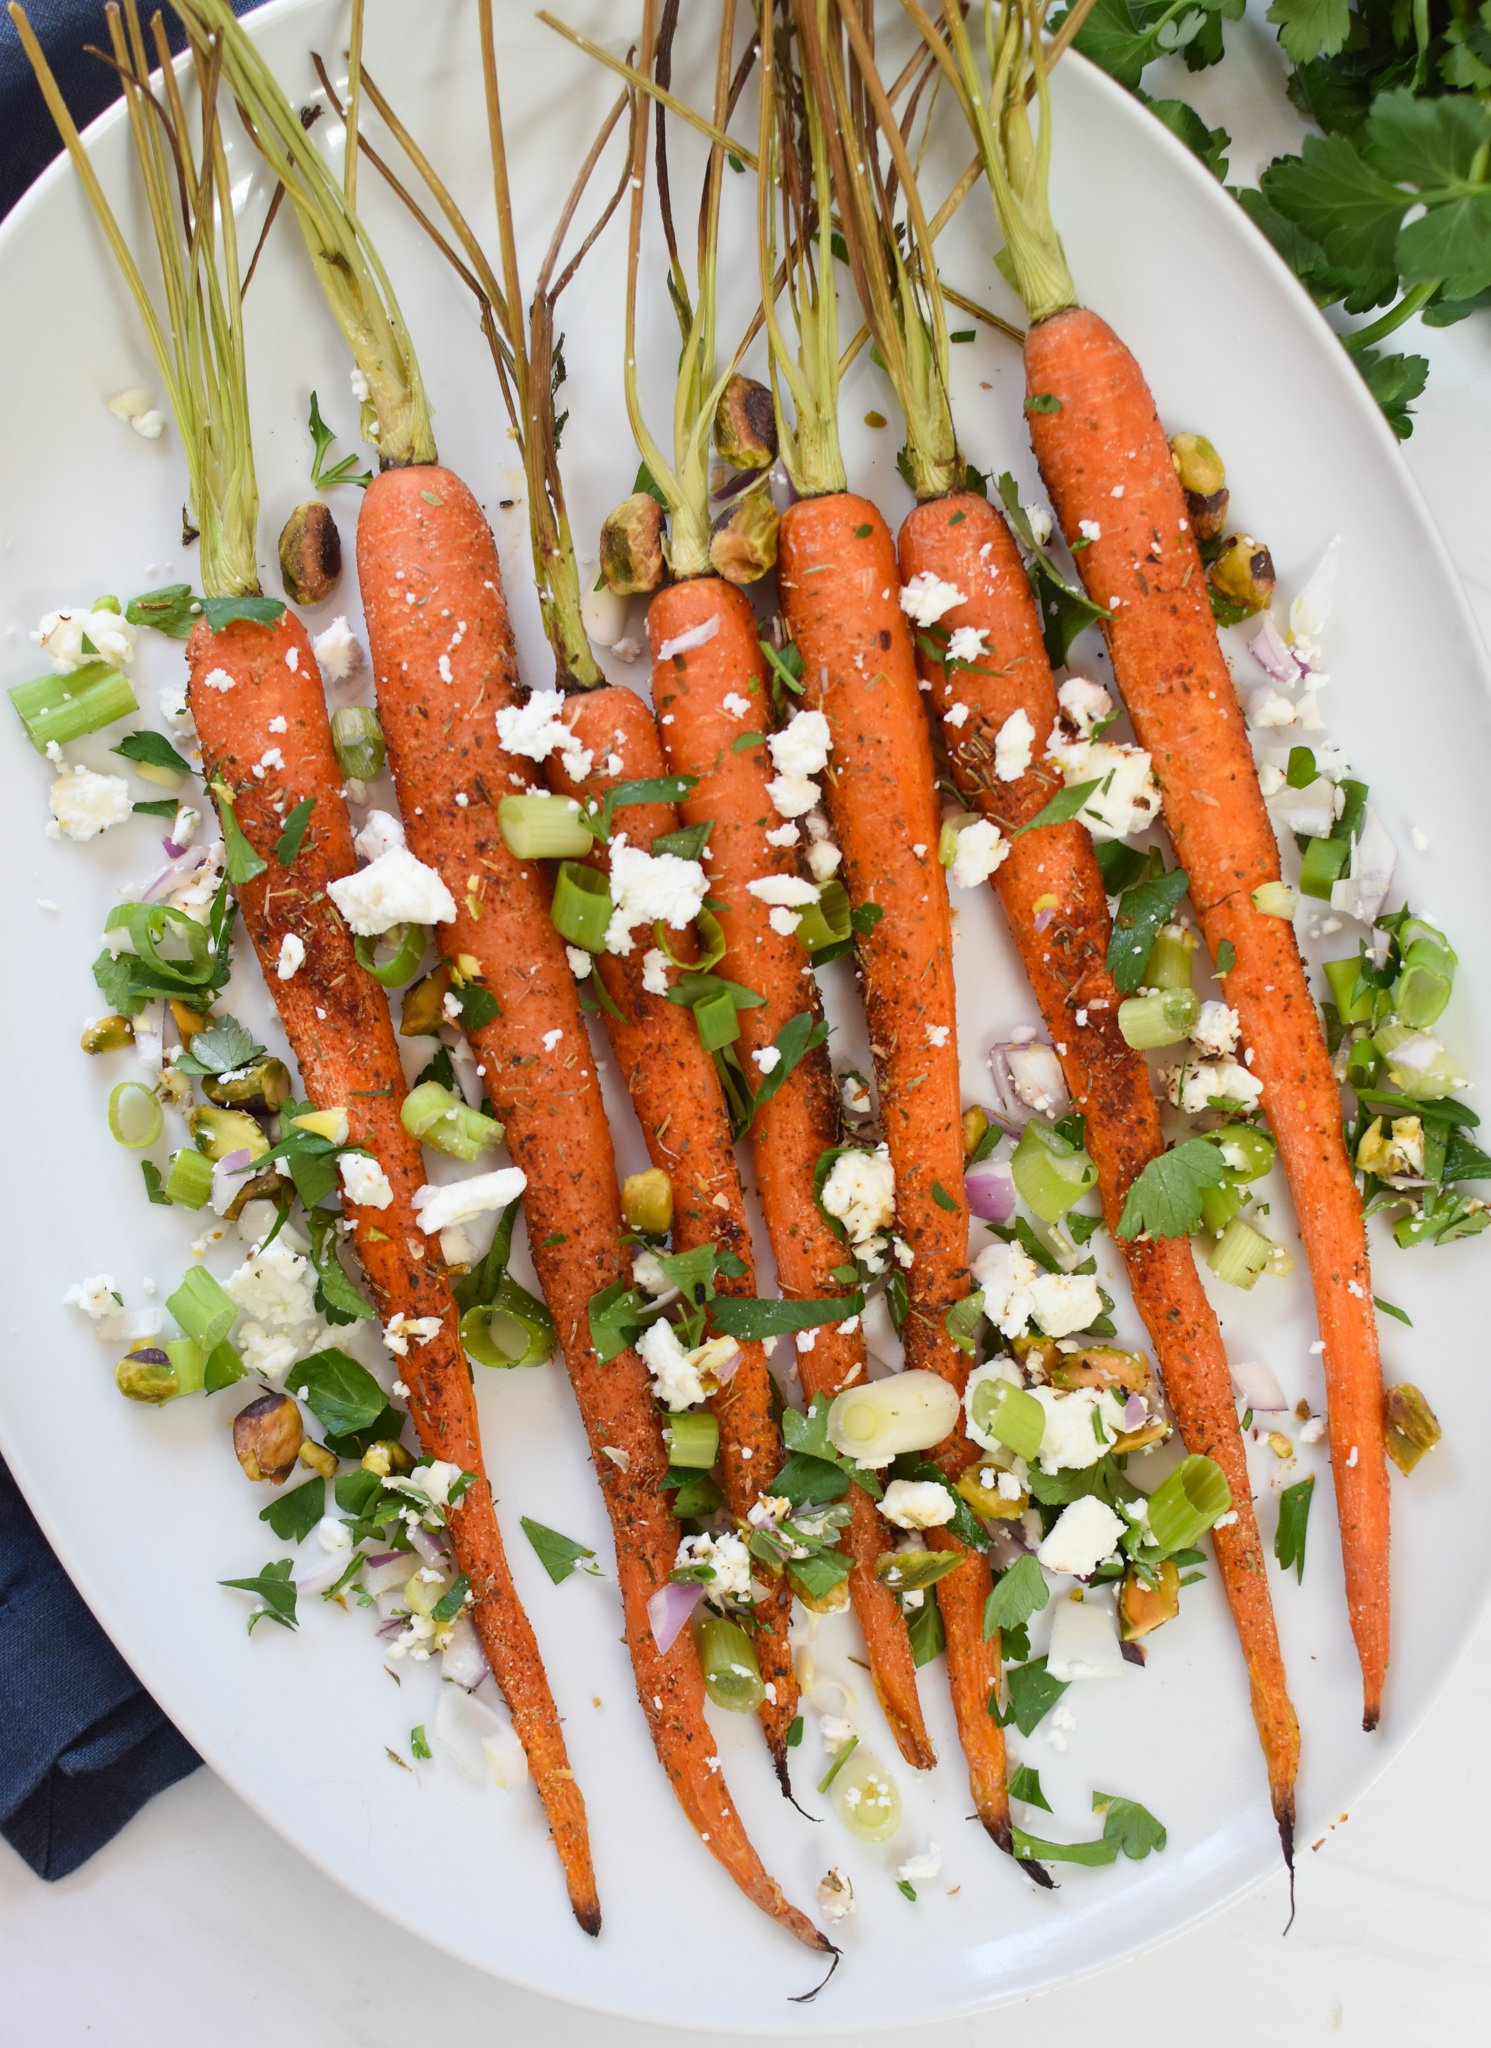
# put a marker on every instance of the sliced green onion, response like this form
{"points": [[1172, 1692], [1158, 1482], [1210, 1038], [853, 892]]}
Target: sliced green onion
{"points": [[841, 1757], [693, 1440], [189, 1181], [582, 906], [865, 1798], [1323, 865], [63, 708], [1275, 899], [1241, 1255], [1428, 1073], [826, 922], [223, 1367], [1007, 1412], [732, 1671], [1426, 982], [717, 1019], [402, 964], [709, 929], [1148, 1022], [1219, 1206], [1050, 1173], [147, 924], [947, 840], [1187, 1503], [1249, 1152], [538, 827], [358, 739], [189, 1363], [512, 1329], [135, 1116], [1353, 1005], [1170, 959], [443, 1121], [1363, 1065], [205, 1313]]}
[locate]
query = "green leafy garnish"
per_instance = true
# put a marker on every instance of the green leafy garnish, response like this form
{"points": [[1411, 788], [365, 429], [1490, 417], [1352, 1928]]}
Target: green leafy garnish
{"points": [[1164, 1200], [1016, 1595], [173, 610], [240, 862], [220, 1047], [1065, 805], [225, 611], [1294, 1522], [324, 475], [559, 1555], [1129, 1829], [341, 1394], [287, 846], [152, 750], [1033, 1692], [273, 1589], [293, 1515], [1140, 913]]}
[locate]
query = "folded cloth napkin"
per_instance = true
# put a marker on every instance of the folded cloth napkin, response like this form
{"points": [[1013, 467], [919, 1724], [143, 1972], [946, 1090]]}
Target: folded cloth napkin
{"points": [[84, 1746]]}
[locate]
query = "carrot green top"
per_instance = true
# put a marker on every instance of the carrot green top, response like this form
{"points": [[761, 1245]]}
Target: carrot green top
{"points": [[395, 412], [1016, 161], [198, 348]]}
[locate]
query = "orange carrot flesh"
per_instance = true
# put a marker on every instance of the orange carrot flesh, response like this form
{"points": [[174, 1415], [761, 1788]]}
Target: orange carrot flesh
{"points": [[841, 594], [722, 745], [1051, 890], [686, 1126], [1104, 457], [336, 1019], [442, 745]]}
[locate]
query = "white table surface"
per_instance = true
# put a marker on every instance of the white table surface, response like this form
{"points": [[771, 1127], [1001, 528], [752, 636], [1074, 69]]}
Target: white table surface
{"points": [[200, 1925]]}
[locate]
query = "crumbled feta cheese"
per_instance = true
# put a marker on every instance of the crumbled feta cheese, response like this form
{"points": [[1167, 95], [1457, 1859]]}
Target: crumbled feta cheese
{"points": [[956, 715], [292, 957], [682, 1379], [938, 1035], [60, 637], [651, 888], [338, 654], [551, 1039], [981, 848], [537, 729], [727, 1557], [926, 597], [97, 1297], [792, 795], [402, 1329], [860, 1192], [1127, 797], [219, 679], [1084, 704], [735, 704], [1089, 529], [1065, 1302], [84, 804], [1039, 521], [967, 643], [434, 1480], [1270, 708], [824, 859], [333, 1535], [580, 963], [654, 971], [364, 1181], [1005, 1273], [854, 1093], [648, 1273], [1194, 1085], [1312, 1431], [917, 1504], [184, 826], [768, 1058], [1084, 1534], [1215, 1030], [460, 1201], [1070, 1440], [275, 1287], [923, 1868], [803, 745], [381, 832], [789, 890], [359, 385], [784, 835], [393, 889]]}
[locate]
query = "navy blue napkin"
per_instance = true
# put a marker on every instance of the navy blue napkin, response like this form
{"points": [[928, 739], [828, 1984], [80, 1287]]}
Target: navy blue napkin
{"points": [[84, 1745]]}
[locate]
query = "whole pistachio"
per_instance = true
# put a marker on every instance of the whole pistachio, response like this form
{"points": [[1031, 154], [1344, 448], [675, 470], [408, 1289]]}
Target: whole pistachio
{"points": [[267, 1436], [146, 1374], [1243, 573], [745, 424], [743, 545], [310, 553], [631, 549]]}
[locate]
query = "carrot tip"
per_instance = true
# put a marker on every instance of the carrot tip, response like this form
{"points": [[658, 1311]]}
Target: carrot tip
{"points": [[807, 1997], [1286, 1838], [589, 1918]]}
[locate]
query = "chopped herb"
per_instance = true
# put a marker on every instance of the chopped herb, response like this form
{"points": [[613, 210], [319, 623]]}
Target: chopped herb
{"points": [[1226, 959], [1129, 1829], [172, 610], [1016, 1595], [1064, 806], [287, 846], [863, 532], [688, 842], [152, 750], [154, 1186], [226, 611], [1164, 1200], [157, 807], [1033, 1693], [863, 919], [799, 1036], [341, 1394], [477, 1004], [293, 1515], [1025, 1784], [559, 1555], [419, 1744], [1390, 1308], [1294, 1521], [450, 1603], [794, 1733], [943, 1199], [240, 862], [1043, 401], [220, 1047], [274, 1590], [753, 1320], [908, 1891], [324, 476], [1136, 922]]}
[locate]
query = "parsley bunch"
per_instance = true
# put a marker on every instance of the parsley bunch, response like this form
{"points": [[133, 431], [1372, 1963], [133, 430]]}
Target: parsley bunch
{"points": [[1390, 206]]}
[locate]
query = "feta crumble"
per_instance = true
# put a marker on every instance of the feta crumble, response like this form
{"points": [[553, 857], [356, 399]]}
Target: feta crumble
{"points": [[393, 889], [460, 1201], [364, 1181], [927, 597]]}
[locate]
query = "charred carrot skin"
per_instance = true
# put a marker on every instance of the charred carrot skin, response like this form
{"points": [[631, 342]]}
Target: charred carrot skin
{"points": [[686, 1125], [1105, 457], [841, 595], [422, 533], [337, 1022], [1051, 890], [723, 747]]}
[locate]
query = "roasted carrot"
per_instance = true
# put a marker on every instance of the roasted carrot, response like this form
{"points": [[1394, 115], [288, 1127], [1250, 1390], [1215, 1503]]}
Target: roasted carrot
{"points": [[422, 536], [336, 1019], [722, 746], [1051, 890], [686, 1126], [840, 592]]}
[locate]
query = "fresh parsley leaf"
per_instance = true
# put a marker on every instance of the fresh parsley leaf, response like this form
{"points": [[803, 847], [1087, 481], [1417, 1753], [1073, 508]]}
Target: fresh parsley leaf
{"points": [[925, 1633], [336, 1297], [1033, 1692], [157, 807], [1132, 1826], [1210, 144], [1140, 913], [903, 1886], [688, 842], [172, 610], [1226, 959], [1016, 1595], [153, 750], [753, 1320], [1025, 1784], [240, 862], [559, 1555], [794, 1732], [287, 846], [419, 1744], [799, 1036], [647, 789], [1164, 1200], [225, 611], [1043, 401], [450, 1603], [1065, 805], [1294, 1522], [341, 1394], [155, 1190], [219, 1048], [806, 1436], [478, 1005], [293, 1515], [1311, 28], [272, 1588]]}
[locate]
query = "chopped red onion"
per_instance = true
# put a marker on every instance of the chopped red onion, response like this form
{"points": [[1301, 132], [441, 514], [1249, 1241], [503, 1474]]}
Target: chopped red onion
{"points": [[1257, 1387], [991, 1191], [320, 1571], [1135, 1412], [726, 1372], [180, 869], [1274, 655], [1035, 1073], [669, 1610], [432, 1548], [1007, 1544], [463, 1660], [1373, 857], [387, 1630], [1043, 918]]}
